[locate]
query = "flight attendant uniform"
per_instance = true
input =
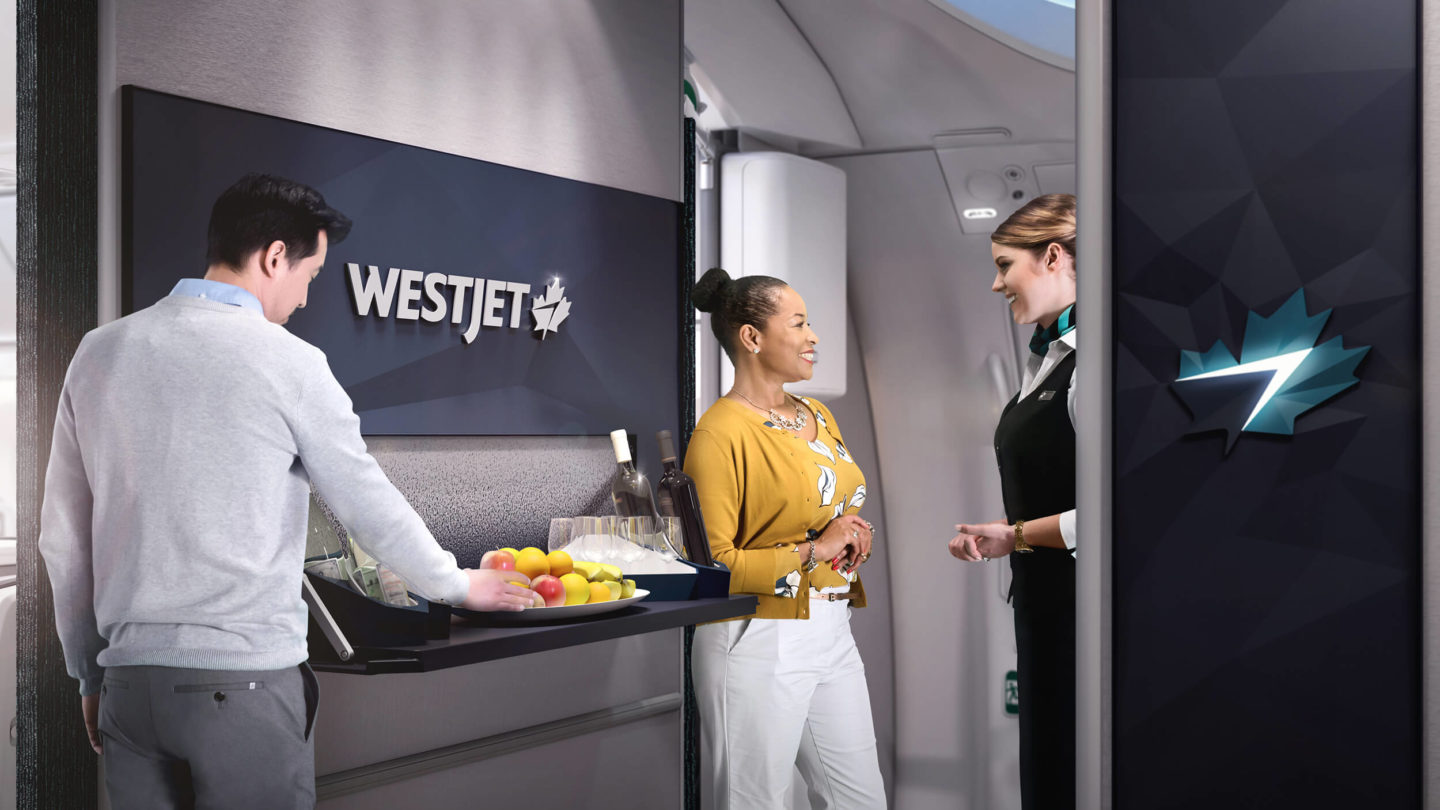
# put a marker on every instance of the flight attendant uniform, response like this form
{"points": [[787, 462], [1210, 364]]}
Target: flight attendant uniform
{"points": [[1035, 449]]}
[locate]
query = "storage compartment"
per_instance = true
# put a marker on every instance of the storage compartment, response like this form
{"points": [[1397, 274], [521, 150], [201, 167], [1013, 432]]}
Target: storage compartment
{"points": [[368, 622], [708, 582]]}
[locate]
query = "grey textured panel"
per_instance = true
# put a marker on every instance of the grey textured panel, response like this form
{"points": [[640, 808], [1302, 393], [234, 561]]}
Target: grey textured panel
{"points": [[523, 84], [478, 493], [55, 297]]}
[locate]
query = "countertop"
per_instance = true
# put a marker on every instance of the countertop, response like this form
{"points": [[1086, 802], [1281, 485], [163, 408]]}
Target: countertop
{"points": [[475, 640]]}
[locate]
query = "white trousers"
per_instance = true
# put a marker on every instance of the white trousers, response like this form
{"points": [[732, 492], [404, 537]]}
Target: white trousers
{"points": [[778, 694]]}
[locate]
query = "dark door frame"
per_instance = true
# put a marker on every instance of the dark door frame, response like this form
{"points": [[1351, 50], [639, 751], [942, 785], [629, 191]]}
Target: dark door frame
{"points": [[57, 109]]}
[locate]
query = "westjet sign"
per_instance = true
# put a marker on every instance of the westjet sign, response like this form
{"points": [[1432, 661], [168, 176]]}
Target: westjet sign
{"points": [[489, 300], [447, 311]]}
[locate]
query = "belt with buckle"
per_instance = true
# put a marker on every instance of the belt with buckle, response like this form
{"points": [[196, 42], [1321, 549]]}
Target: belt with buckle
{"points": [[833, 597]]}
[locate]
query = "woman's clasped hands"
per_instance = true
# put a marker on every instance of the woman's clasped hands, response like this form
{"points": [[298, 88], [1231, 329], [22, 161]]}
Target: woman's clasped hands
{"points": [[845, 543]]}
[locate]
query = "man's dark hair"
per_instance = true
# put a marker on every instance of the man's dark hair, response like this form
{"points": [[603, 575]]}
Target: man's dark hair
{"points": [[260, 209]]}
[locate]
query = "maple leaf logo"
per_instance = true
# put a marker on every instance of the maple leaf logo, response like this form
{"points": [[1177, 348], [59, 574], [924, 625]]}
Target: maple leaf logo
{"points": [[1281, 374], [551, 309]]}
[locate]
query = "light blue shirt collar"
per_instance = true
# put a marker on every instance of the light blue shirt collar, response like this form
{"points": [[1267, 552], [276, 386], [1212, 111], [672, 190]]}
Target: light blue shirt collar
{"points": [[219, 292]]}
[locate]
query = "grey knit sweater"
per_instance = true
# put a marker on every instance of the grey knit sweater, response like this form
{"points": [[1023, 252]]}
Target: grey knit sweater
{"points": [[176, 500]]}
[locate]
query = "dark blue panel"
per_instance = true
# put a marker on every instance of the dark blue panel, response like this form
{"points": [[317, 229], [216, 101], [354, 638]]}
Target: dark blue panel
{"points": [[1267, 617], [612, 363]]}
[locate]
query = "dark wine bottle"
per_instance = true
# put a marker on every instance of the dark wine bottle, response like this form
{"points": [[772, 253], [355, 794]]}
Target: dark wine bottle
{"points": [[677, 498]]}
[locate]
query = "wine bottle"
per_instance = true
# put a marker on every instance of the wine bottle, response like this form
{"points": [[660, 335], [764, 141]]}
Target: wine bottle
{"points": [[677, 498], [630, 489]]}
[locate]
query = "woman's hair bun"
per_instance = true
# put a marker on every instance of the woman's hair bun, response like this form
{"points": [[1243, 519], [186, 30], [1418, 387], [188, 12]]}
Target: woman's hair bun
{"points": [[710, 289]]}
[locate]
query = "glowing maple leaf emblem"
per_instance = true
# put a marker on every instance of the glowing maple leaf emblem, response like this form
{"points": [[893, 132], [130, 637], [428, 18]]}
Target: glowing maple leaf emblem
{"points": [[551, 309], [1281, 374]]}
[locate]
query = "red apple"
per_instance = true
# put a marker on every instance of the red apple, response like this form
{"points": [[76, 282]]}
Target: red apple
{"points": [[498, 560], [551, 588]]}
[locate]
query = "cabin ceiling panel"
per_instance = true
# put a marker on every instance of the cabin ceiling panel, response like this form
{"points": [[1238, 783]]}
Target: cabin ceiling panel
{"points": [[908, 71], [758, 69]]}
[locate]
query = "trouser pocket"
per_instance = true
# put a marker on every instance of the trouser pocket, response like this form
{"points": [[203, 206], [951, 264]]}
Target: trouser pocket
{"points": [[737, 632], [312, 696], [111, 691], [222, 694]]}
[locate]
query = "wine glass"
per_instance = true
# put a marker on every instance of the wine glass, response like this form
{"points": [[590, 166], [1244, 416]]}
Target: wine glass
{"points": [[670, 536], [560, 533]]}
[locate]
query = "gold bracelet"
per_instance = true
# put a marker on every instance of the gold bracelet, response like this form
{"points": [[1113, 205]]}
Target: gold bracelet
{"points": [[1021, 547]]}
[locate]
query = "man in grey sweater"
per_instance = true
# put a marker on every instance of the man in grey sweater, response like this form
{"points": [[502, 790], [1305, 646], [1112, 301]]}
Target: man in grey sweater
{"points": [[186, 441]]}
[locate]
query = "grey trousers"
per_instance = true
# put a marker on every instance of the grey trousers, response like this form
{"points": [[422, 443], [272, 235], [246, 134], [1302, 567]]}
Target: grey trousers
{"points": [[208, 739]]}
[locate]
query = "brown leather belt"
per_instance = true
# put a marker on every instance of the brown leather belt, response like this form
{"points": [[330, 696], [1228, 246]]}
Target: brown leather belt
{"points": [[834, 597]]}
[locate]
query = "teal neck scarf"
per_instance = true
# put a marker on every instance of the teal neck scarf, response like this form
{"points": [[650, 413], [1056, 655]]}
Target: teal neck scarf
{"points": [[1045, 335]]}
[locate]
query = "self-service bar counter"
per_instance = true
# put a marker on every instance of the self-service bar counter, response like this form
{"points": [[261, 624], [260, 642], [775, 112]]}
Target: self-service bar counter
{"points": [[502, 712]]}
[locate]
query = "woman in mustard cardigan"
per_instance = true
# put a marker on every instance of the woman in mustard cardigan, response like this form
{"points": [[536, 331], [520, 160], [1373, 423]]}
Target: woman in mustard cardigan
{"points": [[781, 495]]}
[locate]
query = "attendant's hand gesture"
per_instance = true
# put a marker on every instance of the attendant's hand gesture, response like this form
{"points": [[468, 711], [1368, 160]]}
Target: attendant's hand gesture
{"points": [[982, 542]]}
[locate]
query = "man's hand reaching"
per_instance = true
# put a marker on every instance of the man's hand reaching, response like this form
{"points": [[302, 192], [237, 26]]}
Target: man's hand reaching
{"points": [[492, 589]]}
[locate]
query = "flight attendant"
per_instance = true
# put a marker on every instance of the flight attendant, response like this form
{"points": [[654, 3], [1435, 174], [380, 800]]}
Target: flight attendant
{"points": [[1034, 253]]}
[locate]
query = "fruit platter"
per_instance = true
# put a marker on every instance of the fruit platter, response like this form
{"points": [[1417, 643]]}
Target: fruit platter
{"points": [[561, 588]]}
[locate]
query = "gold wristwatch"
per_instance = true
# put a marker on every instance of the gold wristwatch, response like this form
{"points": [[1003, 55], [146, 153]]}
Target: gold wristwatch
{"points": [[1021, 547]]}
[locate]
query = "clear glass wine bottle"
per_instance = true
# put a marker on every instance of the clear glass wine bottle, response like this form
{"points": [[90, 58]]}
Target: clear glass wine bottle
{"points": [[631, 491]]}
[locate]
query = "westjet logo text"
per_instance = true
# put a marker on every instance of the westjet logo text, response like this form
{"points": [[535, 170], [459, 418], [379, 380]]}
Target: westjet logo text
{"points": [[436, 297]]}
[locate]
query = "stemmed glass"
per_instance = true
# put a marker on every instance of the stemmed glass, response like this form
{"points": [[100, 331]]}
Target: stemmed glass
{"points": [[560, 533]]}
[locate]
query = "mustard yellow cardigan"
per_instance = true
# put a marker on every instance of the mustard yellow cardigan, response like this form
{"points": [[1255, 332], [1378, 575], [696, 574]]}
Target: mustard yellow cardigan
{"points": [[761, 487]]}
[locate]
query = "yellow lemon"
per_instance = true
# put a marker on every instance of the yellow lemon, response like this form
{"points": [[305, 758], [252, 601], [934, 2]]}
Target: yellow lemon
{"points": [[577, 589], [600, 593]]}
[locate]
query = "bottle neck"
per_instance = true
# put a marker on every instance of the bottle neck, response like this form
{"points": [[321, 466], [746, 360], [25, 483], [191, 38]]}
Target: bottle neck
{"points": [[669, 465]]}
